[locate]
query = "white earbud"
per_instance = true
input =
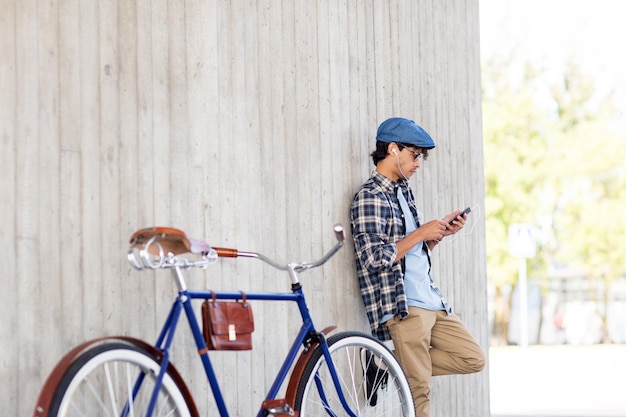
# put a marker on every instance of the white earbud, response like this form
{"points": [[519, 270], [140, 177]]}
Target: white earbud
{"points": [[398, 161]]}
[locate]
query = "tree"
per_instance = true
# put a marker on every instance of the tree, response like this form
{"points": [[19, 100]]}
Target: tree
{"points": [[515, 146], [591, 182], [552, 160]]}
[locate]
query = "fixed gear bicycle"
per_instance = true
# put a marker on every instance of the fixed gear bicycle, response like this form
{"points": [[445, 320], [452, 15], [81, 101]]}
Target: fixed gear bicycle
{"points": [[124, 376]]}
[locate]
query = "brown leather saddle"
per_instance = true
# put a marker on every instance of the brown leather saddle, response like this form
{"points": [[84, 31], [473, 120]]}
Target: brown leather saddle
{"points": [[171, 240]]}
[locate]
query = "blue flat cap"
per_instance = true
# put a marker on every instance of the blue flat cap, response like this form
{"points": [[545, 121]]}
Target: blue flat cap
{"points": [[400, 130]]}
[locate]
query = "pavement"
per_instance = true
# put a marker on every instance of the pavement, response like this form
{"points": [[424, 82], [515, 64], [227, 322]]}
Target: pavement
{"points": [[558, 381]]}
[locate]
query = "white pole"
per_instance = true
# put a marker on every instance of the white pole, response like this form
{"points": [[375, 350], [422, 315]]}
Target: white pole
{"points": [[523, 302]]}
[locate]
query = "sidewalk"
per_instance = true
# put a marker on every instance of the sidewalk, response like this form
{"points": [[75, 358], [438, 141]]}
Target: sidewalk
{"points": [[564, 381]]}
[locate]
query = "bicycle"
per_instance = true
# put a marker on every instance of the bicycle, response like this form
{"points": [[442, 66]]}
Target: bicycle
{"points": [[347, 373]]}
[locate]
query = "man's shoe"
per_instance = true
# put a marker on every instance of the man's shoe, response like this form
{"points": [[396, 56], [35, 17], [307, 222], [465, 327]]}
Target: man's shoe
{"points": [[375, 376]]}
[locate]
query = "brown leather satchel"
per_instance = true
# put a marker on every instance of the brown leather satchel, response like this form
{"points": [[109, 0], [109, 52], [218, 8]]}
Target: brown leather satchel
{"points": [[227, 325]]}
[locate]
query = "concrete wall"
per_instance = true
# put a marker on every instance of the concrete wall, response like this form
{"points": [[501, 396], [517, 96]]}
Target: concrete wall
{"points": [[246, 123]]}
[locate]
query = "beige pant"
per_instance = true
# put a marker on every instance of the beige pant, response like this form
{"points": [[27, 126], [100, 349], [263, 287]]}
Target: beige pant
{"points": [[430, 343]]}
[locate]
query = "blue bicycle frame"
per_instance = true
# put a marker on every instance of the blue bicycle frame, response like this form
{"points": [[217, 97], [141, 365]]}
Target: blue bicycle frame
{"points": [[183, 301]]}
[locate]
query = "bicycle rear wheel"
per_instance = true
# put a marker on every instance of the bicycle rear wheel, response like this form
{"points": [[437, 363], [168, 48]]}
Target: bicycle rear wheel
{"points": [[116, 379], [370, 376]]}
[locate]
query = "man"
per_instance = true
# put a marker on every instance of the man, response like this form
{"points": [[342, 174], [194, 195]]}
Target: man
{"points": [[393, 247]]}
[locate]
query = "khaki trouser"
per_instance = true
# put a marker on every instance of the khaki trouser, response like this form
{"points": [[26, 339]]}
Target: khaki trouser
{"points": [[430, 343]]}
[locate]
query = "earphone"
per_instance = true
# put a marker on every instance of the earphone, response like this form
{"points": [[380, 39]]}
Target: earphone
{"points": [[398, 162]]}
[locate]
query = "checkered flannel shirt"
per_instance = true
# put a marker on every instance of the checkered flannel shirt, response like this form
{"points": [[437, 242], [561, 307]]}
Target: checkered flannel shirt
{"points": [[377, 223]]}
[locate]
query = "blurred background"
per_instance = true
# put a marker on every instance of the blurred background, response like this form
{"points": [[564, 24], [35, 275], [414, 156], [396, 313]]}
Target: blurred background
{"points": [[554, 98]]}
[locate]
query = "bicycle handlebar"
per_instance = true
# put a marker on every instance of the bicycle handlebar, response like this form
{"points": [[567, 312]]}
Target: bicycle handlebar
{"points": [[161, 247]]}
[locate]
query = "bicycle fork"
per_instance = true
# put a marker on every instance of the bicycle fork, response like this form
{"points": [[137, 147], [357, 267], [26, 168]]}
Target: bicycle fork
{"points": [[323, 345], [333, 372]]}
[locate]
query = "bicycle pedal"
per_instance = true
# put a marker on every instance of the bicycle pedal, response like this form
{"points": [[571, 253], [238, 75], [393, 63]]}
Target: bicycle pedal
{"points": [[277, 408]]}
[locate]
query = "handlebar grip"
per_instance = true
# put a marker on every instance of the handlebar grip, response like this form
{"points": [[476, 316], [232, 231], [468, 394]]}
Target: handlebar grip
{"points": [[226, 252], [339, 232]]}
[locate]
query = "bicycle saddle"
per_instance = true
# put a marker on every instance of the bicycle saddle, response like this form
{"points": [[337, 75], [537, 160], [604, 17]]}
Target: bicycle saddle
{"points": [[171, 240]]}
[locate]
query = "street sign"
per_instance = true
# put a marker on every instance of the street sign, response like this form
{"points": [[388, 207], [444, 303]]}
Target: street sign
{"points": [[521, 241]]}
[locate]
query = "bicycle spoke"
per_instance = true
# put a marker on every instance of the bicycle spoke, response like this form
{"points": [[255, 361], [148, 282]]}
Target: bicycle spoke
{"points": [[130, 393], [109, 380], [97, 397], [388, 395], [107, 373]]}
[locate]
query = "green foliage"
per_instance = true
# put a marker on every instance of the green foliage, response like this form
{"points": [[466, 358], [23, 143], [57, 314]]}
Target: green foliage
{"points": [[555, 160], [515, 148]]}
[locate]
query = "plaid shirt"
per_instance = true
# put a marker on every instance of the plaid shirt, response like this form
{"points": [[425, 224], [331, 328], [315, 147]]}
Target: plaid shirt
{"points": [[377, 223]]}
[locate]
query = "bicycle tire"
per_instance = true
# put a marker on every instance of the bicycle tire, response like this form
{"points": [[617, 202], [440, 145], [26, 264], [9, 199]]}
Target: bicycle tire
{"points": [[99, 381], [348, 350]]}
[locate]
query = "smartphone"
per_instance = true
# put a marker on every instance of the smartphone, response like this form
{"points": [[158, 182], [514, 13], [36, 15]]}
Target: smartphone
{"points": [[466, 211]]}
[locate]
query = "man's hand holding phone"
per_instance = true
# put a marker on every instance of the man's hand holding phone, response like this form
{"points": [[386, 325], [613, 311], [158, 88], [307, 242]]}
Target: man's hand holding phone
{"points": [[458, 220]]}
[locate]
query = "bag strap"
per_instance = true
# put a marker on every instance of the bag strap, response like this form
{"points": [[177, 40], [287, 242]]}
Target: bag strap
{"points": [[244, 298]]}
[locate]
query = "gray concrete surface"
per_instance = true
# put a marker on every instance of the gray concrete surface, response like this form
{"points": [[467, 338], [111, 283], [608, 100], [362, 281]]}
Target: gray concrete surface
{"points": [[563, 381]]}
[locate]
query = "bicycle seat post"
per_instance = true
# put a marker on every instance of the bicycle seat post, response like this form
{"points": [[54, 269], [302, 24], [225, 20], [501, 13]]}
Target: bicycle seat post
{"points": [[178, 277]]}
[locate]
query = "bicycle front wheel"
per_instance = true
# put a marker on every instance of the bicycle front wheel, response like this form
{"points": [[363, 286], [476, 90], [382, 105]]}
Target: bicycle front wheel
{"points": [[116, 379], [371, 379]]}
